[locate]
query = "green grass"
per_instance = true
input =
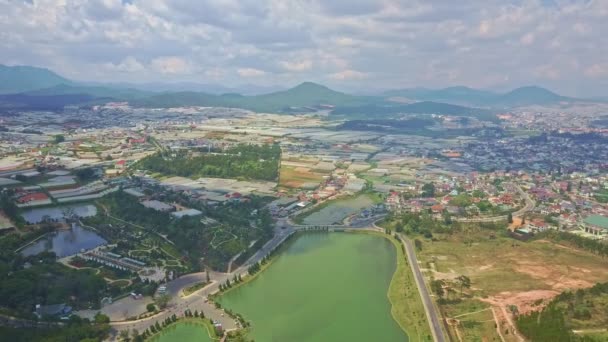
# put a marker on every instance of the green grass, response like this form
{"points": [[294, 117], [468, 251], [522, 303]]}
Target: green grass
{"points": [[502, 264], [407, 307], [476, 321], [191, 289]]}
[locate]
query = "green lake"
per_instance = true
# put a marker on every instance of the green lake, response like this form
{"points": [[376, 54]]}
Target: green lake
{"points": [[322, 287], [184, 332], [338, 210]]}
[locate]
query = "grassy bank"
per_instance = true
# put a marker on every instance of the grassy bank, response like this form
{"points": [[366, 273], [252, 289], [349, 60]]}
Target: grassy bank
{"points": [[407, 308], [203, 322], [406, 305]]}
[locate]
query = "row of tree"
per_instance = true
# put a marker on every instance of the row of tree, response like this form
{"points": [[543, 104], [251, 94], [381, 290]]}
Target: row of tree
{"points": [[594, 246], [228, 284]]}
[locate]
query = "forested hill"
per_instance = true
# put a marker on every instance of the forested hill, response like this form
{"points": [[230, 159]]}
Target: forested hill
{"points": [[256, 162]]}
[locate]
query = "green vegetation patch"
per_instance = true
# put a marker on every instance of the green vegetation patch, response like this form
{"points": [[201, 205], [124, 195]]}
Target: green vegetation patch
{"points": [[259, 162]]}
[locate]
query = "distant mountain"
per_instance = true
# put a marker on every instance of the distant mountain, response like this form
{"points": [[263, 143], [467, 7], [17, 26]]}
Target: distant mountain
{"points": [[17, 79], [94, 91], [524, 96], [531, 95], [304, 95]]}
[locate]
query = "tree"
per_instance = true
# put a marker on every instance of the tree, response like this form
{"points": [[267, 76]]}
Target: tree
{"points": [[418, 244], [510, 218], [464, 281], [59, 138], [124, 335], [428, 190], [207, 275], [101, 318], [162, 301], [437, 287], [151, 307]]}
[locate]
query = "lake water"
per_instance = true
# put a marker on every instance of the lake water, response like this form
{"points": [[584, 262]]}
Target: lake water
{"points": [[65, 242], [323, 287], [338, 210], [34, 216], [184, 332]]}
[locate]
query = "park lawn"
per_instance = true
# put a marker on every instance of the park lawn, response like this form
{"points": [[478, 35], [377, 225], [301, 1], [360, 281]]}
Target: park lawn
{"points": [[293, 177], [121, 283], [193, 288]]}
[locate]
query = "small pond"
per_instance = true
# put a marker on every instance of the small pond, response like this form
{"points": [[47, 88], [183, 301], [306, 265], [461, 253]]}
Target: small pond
{"points": [[65, 242]]}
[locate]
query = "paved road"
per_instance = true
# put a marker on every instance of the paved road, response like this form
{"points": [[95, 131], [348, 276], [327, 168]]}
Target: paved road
{"points": [[196, 301], [429, 307]]}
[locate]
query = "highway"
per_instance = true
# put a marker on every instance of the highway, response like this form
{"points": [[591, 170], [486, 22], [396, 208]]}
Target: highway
{"points": [[429, 307]]}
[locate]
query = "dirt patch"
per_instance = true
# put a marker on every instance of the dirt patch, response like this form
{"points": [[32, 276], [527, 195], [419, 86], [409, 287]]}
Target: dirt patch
{"points": [[525, 301], [557, 279], [302, 169]]}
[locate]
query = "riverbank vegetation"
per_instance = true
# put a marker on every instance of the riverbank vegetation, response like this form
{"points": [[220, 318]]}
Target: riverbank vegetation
{"points": [[407, 308], [259, 162]]}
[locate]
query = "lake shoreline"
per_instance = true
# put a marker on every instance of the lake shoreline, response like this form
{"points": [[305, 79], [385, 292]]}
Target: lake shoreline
{"points": [[400, 267]]}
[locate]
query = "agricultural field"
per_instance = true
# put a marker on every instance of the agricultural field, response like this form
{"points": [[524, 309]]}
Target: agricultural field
{"points": [[299, 177], [507, 273]]}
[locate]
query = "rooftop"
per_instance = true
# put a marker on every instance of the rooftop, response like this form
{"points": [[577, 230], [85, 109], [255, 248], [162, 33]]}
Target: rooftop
{"points": [[597, 220]]}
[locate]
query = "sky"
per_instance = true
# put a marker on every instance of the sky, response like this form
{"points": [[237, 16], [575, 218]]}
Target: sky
{"points": [[357, 45]]}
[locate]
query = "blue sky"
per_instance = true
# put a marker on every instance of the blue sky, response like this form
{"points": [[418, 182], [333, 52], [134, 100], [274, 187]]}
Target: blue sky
{"points": [[347, 44]]}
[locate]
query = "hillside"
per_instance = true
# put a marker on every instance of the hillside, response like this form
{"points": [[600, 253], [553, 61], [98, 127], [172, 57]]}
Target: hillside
{"points": [[524, 96], [304, 95], [17, 79], [531, 95]]}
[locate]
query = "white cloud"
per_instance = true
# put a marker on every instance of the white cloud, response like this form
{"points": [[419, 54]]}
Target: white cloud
{"points": [[527, 39], [597, 70], [130, 64], [297, 66], [387, 43], [171, 65], [346, 75], [250, 72]]}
